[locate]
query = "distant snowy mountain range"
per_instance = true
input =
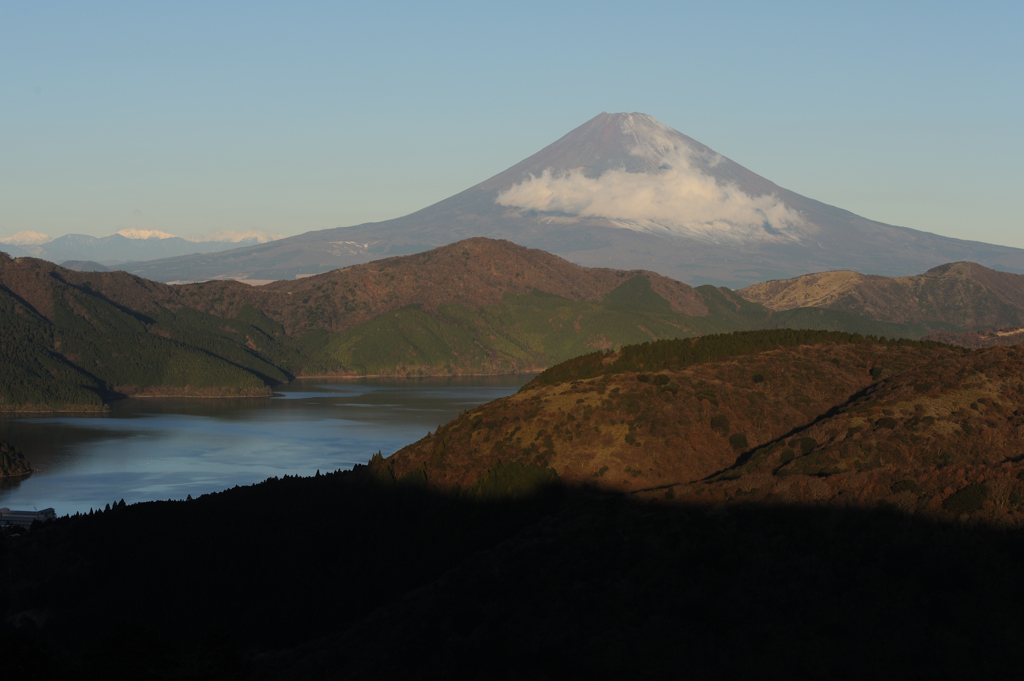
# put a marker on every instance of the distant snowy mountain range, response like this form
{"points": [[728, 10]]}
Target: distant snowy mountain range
{"points": [[126, 245]]}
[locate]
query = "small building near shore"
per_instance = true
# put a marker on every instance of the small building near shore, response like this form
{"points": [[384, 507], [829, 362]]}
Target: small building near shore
{"points": [[9, 518]]}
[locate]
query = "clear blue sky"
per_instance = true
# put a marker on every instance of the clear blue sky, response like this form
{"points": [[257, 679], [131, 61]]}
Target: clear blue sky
{"points": [[286, 117]]}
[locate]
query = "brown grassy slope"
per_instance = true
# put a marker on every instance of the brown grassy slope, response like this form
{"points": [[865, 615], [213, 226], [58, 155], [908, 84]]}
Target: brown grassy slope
{"points": [[945, 438], [631, 431], [939, 432], [964, 294]]}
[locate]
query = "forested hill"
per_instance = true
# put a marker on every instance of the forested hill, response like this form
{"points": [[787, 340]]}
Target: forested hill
{"points": [[775, 416], [74, 340]]}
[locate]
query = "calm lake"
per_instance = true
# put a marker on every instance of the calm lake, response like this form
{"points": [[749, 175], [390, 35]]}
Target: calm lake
{"points": [[148, 449]]}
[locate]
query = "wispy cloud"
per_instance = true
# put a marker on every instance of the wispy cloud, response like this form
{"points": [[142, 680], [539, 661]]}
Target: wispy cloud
{"points": [[678, 199]]}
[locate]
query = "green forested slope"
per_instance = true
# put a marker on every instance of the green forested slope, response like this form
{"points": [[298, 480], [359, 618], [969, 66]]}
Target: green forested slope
{"points": [[536, 330], [79, 349], [33, 375]]}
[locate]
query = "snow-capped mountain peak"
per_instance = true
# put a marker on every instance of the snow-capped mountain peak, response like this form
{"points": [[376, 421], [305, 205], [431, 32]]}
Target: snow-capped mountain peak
{"points": [[27, 238], [645, 176]]}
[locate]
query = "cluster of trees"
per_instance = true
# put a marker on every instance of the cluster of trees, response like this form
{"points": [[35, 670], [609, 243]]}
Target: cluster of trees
{"points": [[12, 461]]}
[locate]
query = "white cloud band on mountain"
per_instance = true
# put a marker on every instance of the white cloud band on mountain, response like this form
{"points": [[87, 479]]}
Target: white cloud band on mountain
{"points": [[678, 199]]}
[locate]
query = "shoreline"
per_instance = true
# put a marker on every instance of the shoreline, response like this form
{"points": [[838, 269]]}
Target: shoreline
{"points": [[192, 397], [82, 410], [271, 390], [416, 376]]}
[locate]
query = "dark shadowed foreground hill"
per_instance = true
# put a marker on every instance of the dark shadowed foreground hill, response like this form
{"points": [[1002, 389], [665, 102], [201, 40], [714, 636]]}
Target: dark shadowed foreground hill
{"points": [[325, 578], [824, 505]]}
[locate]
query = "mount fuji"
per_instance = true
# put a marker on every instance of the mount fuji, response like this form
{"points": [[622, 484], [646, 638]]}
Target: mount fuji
{"points": [[625, 191]]}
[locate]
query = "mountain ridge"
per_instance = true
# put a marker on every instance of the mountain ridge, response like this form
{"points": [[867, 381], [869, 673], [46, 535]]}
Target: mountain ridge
{"points": [[477, 307], [480, 306], [123, 246], [964, 294]]}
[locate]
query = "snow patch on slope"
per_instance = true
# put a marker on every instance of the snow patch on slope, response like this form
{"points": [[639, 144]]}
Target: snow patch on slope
{"points": [[231, 236]]}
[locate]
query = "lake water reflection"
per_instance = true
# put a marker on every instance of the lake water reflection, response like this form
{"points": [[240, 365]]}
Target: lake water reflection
{"points": [[147, 449]]}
